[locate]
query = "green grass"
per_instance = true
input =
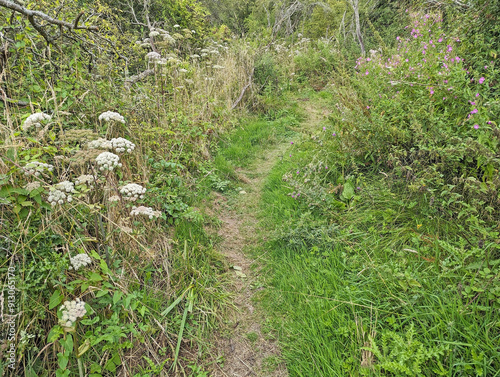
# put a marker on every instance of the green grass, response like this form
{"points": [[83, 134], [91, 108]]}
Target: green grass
{"points": [[386, 274]]}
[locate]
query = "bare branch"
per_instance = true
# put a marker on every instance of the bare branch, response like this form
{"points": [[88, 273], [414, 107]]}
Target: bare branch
{"points": [[53, 21]]}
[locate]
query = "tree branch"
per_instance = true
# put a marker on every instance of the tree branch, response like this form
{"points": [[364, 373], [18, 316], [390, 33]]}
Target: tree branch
{"points": [[53, 21]]}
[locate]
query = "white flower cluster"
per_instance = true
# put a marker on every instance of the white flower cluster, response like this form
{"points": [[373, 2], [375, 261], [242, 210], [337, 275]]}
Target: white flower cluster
{"points": [[111, 115], [85, 179], [66, 186], [36, 168], [99, 144], [80, 260], [145, 211], [121, 145], [154, 33], [71, 311], [108, 161], [58, 197], [133, 191], [153, 56], [32, 186], [34, 120]]}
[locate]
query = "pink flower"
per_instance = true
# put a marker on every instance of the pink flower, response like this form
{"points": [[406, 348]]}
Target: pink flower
{"points": [[476, 126], [477, 94], [474, 111], [366, 73], [367, 107], [481, 80]]}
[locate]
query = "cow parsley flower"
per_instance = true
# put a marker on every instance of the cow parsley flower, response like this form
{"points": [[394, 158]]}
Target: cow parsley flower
{"points": [[153, 34], [153, 56], [85, 179], [80, 260], [58, 197], [71, 311], [36, 168], [34, 120], [121, 145], [169, 38], [99, 144], [66, 186], [145, 211], [111, 115], [108, 161], [133, 191], [32, 186]]}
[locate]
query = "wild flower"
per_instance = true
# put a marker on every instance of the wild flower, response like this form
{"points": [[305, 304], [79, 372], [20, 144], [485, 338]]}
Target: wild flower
{"points": [[32, 186], [111, 115], [66, 186], [177, 26], [85, 179], [133, 191], [145, 211], [99, 144], [169, 38], [121, 145], [108, 161], [34, 120], [481, 80], [58, 197], [80, 260], [36, 168], [154, 33], [114, 198], [153, 56], [476, 126], [182, 70], [71, 311], [216, 66], [194, 56]]}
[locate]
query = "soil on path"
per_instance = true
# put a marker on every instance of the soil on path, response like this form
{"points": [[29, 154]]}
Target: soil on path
{"points": [[245, 347]]}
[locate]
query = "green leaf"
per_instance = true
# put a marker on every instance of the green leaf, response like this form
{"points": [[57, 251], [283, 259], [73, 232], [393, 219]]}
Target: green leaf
{"points": [[55, 299], [117, 296], [68, 343], [55, 333], [93, 276], [62, 360], [348, 192], [101, 293], [83, 348]]}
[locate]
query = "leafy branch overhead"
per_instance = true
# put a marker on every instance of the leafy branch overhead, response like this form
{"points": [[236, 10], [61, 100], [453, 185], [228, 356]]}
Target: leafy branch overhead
{"points": [[34, 15]]}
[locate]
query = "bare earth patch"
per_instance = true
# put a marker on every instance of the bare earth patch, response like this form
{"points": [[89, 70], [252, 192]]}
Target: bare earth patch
{"points": [[244, 346]]}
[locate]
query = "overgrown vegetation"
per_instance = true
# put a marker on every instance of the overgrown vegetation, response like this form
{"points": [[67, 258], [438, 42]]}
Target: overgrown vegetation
{"points": [[118, 122]]}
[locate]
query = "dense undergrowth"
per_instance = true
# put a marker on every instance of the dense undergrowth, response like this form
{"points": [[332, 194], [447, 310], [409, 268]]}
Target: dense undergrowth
{"points": [[387, 259]]}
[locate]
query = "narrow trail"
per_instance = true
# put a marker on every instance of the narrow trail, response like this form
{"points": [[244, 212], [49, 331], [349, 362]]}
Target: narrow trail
{"points": [[246, 347]]}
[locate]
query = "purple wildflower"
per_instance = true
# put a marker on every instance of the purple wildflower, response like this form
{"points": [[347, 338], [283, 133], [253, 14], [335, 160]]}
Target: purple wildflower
{"points": [[481, 80], [476, 126]]}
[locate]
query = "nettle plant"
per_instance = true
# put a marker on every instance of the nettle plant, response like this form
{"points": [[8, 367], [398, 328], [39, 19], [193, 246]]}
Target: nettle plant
{"points": [[77, 193]]}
